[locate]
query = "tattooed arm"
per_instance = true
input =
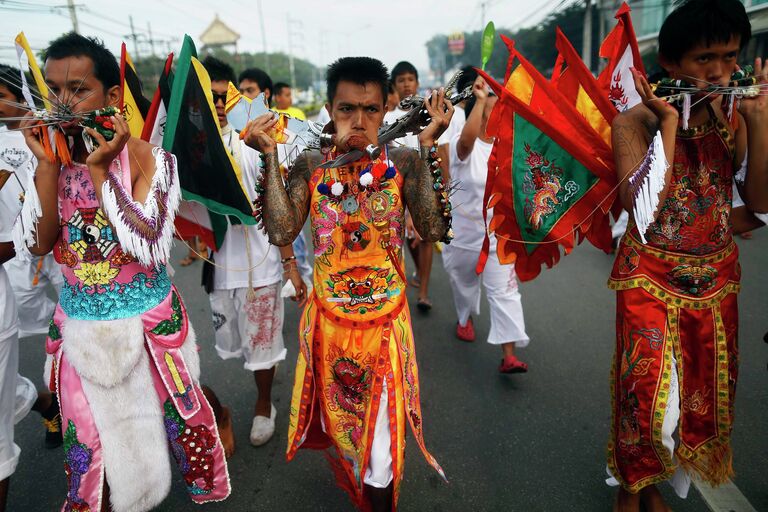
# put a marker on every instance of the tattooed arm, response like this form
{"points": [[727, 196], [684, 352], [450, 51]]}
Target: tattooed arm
{"points": [[632, 132], [420, 198], [47, 188], [284, 211]]}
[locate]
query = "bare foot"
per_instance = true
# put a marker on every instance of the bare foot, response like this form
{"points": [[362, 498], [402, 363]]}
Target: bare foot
{"points": [[226, 434], [652, 499], [626, 501]]}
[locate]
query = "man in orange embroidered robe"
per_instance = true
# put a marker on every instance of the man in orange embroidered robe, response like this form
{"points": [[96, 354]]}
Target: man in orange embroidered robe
{"points": [[356, 376], [676, 359]]}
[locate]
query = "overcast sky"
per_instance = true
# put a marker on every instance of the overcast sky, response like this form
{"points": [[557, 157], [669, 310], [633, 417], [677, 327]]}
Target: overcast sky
{"points": [[322, 30]]}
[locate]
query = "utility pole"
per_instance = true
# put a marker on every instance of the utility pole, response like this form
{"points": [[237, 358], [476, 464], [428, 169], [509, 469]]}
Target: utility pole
{"points": [[135, 38], [263, 37], [73, 15], [483, 5], [151, 39], [586, 51], [290, 52]]}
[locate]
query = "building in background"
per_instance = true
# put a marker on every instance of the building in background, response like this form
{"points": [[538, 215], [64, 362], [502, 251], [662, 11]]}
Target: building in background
{"points": [[648, 15], [219, 35]]}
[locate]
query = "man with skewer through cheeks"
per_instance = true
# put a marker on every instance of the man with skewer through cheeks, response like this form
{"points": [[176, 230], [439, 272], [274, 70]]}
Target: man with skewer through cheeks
{"points": [[356, 381], [676, 360], [125, 362]]}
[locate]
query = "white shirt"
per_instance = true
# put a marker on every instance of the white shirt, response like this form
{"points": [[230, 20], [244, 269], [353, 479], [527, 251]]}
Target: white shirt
{"points": [[469, 177], [409, 141], [14, 156], [458, 120], [234, 259]]}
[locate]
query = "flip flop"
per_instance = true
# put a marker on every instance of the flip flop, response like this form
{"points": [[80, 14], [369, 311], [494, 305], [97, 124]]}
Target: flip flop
{"points": [[511, 364]]}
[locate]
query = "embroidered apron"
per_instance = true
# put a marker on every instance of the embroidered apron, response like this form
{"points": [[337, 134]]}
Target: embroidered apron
{"points": [[355, 332], [676, 297]]}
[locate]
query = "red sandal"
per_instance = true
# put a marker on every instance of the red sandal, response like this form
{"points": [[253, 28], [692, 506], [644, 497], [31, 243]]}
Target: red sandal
{"points": [[511, 364]]}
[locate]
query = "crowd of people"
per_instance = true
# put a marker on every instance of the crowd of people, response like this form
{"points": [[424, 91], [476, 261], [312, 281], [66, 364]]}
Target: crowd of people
{"points": [[122, 373]]}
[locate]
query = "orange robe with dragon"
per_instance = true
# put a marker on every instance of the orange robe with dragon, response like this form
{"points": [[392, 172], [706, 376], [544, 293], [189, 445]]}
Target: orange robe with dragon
{"points": [[355, 332]]}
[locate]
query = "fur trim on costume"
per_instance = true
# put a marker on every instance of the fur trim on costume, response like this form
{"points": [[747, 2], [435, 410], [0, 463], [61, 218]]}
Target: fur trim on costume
{"points": [[103, 351], [114, 369]]}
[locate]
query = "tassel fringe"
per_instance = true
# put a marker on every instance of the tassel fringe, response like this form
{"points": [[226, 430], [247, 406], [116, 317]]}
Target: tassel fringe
{"points": [[62, 148], [25, 228], [646, 184], [686, 110], [715, 466], [146, 231]]}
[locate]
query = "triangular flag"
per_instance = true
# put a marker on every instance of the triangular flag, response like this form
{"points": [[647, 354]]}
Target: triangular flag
{"points": [[133, 105], [621, 50], [208, 174]]}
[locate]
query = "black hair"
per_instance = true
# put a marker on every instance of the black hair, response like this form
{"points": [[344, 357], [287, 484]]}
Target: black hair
{"points": [[702, 21], [402, 68], [256, 75], [391, 87], [218, 69], [10, 78], [358, 70], [72, 44], [279, 86], [468, 77]]}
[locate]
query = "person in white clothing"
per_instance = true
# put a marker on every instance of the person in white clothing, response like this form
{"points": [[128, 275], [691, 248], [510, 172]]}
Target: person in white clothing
{"points": [[29, 278], [470, 150], [468, 76], [252, 82], [246, 301], [405, 79]]}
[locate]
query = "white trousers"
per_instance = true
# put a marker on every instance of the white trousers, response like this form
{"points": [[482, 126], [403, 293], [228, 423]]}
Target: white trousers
{"points": [[379, 472], [34, 306], [17, 394], [680, 481], [620, 226], [251, 328], [501, 288]]}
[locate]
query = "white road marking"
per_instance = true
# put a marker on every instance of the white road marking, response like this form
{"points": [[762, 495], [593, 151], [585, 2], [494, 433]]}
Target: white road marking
{"points": [[724, 498]]}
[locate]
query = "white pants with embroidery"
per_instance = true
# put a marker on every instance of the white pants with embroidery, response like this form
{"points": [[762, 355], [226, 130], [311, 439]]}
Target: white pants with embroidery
{"points": [[501, 288], [251, 328]]}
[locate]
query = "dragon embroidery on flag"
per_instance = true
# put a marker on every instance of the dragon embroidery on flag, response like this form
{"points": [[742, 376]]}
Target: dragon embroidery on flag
{"points": [[544, 188]]}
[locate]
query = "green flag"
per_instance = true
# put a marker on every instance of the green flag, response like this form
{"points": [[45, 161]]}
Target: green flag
{"points": [[486, 46]]}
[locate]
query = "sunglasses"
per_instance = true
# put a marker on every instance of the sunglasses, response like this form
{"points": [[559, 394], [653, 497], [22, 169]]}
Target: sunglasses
{"points": [[217, 97]]}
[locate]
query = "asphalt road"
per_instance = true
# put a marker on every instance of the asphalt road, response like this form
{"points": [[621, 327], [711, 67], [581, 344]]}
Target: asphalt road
{"points": [[533, 442]]}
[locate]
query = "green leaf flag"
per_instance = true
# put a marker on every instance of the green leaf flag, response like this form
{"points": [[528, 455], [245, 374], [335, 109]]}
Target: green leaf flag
{"points": [[486, 47]]}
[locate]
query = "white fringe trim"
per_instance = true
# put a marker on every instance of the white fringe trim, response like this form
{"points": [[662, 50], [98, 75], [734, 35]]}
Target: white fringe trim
{"points": [[646, 184], [25, 228], [741, 175], [148, 252], [686, 110]]}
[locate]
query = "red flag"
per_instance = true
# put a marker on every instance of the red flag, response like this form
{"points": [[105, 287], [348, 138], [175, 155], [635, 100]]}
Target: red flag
{"points": [[621, 50], [548, 172], [155, 121]]}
